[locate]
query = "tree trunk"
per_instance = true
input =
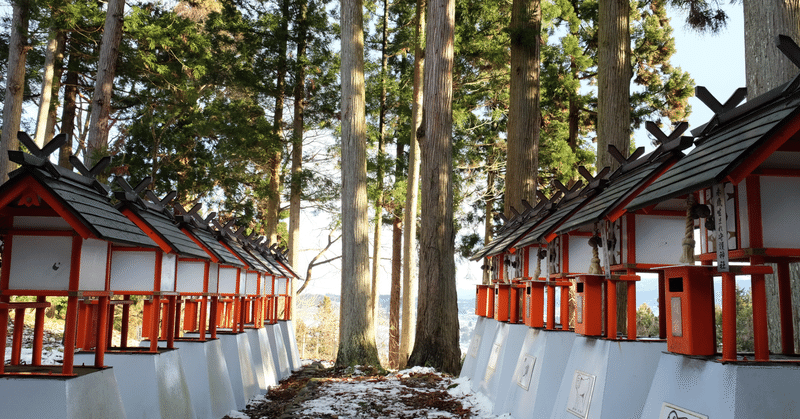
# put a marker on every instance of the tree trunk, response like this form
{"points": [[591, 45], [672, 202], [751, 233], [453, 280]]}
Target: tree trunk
{"points": [[394, 298], [47, 89], [297, 135], [297, 142], [52, 115], [488, 229], [613, 81], [436, 343], [68, 112], [104, 84], [523, 113], [376, 249], [357, 323], [274, 200], [613, 100], [15, 84], [765, 66], [408, 321]]}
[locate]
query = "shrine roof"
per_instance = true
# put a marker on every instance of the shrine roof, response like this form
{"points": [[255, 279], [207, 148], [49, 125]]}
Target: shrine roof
{"points": [[212, 243], [169, 231], [731, 138], [553, 221], [516, 228], [80, 195], [623, 186]]}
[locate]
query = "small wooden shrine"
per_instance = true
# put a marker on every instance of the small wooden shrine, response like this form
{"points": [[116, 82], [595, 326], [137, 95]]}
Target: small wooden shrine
{"points": [[58, 230], [563, 254], [152, 272], [743, 183], [198, 279], [629, 242]]}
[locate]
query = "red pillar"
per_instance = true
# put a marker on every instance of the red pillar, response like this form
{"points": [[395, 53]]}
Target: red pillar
{"points": [[662, 305], [171, 321], [38, 332], [785, 298], [760, 333], [70, 326], [728, 317], [551, 307], [631, 310], [611, 309], [102, 331]]}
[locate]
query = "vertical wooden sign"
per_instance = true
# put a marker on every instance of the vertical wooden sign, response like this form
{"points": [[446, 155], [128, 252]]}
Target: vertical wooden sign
{"points": [[720, 226]]}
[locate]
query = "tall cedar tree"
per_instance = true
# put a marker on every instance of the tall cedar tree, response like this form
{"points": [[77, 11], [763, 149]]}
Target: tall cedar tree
{"points": [[524, 118], [357, 324], [410, 216], [99, 122], [15, 84], [436, 343]]}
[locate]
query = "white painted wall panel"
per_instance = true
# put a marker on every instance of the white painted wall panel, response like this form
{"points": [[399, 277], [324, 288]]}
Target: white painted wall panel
{"points": [[132, 271], [40, 262], [659, 239], [190, 276], [213, 277], [168, 265], [94, 256], [780, 212], [227, 281]]}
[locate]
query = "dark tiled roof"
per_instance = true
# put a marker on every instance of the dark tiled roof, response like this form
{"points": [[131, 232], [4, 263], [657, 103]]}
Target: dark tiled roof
{"points": [[166, 228], [722, 149], [252, 262], [610, 198], [88, 205], [211, 242], [553, 221]]}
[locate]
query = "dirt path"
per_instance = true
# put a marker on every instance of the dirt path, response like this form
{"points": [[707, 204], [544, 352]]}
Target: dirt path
{"points": [[319, 392]]}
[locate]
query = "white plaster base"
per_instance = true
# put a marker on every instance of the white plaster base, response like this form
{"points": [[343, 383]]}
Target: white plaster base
{"points": [[278, 349], [531, 392], [471, 358], [236, 350], [717, 390], [495, 382], [94, 395], [623, 372], [484, 352], [262, 359], [150, 385], [208, 378], [292, 354]]}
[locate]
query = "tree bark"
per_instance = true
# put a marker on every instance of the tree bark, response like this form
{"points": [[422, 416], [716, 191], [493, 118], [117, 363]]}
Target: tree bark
{"points": [[488, 228], [15, 84], [765, 66], [52, 115], [613, 99], [357, 323], [104, 84], [436, 342], [297, 135], [47, 89], [274, 164], [524, 117], [68, 112], [376, 249], [394, 297], [613, 81], [408, 321], [297, 141]]}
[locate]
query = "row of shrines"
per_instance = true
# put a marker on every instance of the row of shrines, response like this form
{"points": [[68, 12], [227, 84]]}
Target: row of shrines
{"points": [[217, 302], [734, 196]]}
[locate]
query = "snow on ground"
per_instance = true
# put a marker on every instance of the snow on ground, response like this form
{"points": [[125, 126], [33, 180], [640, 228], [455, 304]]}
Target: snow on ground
{"points": [[412, 393]]}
